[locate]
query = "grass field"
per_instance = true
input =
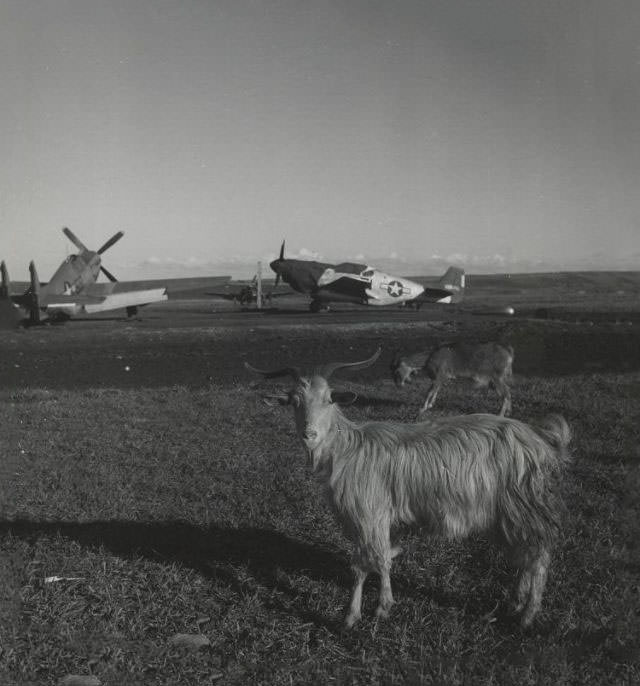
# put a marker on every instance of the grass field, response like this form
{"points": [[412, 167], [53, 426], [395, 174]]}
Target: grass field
{"points": [[191, 510]]}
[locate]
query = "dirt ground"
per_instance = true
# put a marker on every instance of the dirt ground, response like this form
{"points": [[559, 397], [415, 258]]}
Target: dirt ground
{"points": [[193, 344]]}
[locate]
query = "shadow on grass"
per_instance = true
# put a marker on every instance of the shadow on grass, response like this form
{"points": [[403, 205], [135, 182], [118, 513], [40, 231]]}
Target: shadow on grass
{"points": [[248, 557], [214, 552], [265, 552]]}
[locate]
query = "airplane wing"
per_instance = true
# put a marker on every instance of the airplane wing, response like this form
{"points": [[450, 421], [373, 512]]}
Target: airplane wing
{"points": [[449, 288], [172, 286], [103, 288], [224, 295], [90, 304], [268, 293], [233, 291], [435, 295]]}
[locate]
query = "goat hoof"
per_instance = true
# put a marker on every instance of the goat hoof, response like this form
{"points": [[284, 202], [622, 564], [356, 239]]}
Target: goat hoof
{"points": [[382, 612], [526, 619], [516, 610], [350, 621]]}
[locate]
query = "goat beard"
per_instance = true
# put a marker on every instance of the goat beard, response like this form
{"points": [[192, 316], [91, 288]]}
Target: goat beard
{"points": [[317, 462]]}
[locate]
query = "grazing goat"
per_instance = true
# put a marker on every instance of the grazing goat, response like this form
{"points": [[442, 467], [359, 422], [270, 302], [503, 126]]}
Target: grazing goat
{"points": [[454, 476], [488, 364]]}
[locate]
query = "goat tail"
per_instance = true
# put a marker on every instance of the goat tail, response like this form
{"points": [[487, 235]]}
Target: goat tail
{"points": [[556, 432]]}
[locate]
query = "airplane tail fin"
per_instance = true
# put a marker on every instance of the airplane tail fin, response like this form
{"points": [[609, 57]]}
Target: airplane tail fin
{"points": [[453, 281], [9, 317]]}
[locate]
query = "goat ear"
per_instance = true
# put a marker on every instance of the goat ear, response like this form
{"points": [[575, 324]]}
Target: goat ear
{"points": [[343, 397], [280, 398]]}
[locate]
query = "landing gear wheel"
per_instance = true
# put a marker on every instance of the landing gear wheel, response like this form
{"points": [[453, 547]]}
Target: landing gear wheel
{"points": [[315, 306]]}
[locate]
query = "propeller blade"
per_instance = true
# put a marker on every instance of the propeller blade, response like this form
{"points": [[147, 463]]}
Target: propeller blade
{"points": [[280, 259], [35, 281], [114, 239], [5, 288], [74, 239], [34, 309], [108, 274]]}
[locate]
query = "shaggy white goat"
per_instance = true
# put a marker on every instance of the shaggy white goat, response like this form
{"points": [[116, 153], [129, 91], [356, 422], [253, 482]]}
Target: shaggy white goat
{"points": [[488, 364], [454, 476]]}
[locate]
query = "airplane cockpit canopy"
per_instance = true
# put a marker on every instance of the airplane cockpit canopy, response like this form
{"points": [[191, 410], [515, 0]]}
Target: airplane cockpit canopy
{"points": [[352, 268]]}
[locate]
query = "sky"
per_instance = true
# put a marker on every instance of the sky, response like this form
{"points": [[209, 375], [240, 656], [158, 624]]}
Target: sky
{"points": [[495, 134]]}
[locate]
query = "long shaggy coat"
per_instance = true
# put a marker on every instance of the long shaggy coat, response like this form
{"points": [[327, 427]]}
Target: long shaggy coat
{"points": [[453, 476]]}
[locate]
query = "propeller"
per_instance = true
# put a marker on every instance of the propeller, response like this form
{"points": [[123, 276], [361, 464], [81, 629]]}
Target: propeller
{"points": [[5, 288], [114, 239], [280, 259], [108, 274], [34, 310], [81, 246], [74, 239]]}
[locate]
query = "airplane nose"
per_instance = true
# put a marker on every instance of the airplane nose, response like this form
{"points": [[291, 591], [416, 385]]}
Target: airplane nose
{"points": [[275, 265]]}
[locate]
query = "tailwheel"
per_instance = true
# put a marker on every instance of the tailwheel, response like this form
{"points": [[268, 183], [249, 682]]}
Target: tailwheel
{"points": [[317, 306]]}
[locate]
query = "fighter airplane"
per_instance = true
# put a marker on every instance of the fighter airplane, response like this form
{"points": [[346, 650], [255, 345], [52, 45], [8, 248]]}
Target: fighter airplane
{"points": [[73, 289], [363, 284], [245, 293]]}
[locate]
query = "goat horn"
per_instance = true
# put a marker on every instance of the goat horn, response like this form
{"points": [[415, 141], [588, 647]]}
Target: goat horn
{"points": [[275, 373], [328, 369]]}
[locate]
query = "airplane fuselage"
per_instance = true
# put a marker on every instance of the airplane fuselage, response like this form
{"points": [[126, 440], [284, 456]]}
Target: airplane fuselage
{"points": [[75, 274], [346, 282]]}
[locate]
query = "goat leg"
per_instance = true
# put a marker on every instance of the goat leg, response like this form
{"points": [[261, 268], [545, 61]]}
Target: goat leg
{"points": [[355, 608]]}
